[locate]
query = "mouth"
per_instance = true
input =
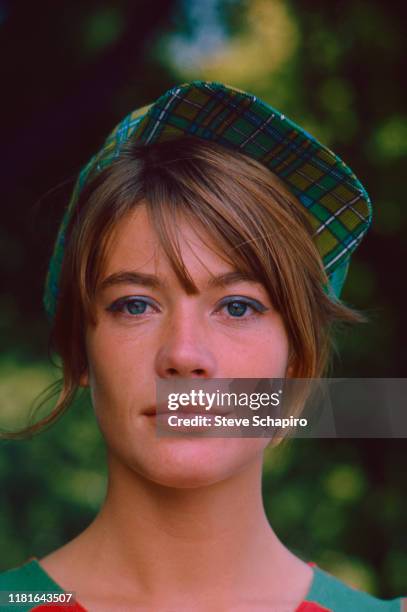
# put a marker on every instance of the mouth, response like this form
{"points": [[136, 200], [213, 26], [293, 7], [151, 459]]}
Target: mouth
{"points": [[189, 410]]}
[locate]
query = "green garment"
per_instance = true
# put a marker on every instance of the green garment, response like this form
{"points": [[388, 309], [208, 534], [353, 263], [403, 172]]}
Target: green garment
{"points": [[326, 593]]}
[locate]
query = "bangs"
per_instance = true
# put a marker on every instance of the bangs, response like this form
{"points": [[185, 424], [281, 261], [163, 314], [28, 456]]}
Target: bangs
{"points": [[223, 213], [218, 206], [166, 215]]}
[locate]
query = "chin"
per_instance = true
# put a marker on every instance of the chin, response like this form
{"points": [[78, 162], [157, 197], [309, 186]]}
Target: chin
{"points": [[198, 462]]}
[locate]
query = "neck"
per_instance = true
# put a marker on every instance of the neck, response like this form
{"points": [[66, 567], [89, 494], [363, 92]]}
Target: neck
{"points": [[168, 543], [154, 526]]}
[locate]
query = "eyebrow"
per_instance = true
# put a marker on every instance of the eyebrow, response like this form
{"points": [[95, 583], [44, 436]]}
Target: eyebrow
{"points": [[127, 277], [154, 282], [229, 278]]}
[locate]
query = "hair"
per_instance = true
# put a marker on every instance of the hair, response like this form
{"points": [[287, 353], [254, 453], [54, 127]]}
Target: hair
{"points": [[249, 212]]}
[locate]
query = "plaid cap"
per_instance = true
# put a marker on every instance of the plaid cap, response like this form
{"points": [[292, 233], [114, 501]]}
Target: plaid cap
{"points": [[338, 206]]}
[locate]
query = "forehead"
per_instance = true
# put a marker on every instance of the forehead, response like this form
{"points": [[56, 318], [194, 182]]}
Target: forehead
{"points": [[135, 244]]}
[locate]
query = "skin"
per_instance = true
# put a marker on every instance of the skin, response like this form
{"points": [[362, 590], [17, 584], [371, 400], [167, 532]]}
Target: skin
{"points": [[178, 511]]}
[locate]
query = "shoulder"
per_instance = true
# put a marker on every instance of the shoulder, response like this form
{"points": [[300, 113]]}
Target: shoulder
{"points": [[24, 578], [21, 577], [328, 594]]}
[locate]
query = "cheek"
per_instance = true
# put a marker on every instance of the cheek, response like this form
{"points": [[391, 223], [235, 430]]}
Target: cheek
{"points": [[118, 371], [119, 388], [265, 355]]}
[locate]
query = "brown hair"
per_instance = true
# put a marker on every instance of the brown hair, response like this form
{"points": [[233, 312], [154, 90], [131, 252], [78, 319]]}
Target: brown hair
{"points": [[234, 199]]}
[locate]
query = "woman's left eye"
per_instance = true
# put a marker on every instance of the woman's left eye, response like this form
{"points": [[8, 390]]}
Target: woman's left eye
{"points": [[239, 307], [132, 306]]}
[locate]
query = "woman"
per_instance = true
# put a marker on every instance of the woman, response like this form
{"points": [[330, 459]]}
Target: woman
{"points": [[209, 238]]}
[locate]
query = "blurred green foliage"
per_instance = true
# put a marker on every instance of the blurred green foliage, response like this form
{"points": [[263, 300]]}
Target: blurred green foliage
{"points": [[102, 28], [334, 67]]}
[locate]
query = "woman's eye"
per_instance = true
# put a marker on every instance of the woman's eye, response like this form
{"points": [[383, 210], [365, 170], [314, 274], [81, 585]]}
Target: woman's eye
{"points": [[136, 307], [132, 306], [238, 308]]}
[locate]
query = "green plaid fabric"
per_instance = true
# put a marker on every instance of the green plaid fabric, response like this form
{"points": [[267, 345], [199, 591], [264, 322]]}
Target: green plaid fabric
{"points": [[338, 205]]}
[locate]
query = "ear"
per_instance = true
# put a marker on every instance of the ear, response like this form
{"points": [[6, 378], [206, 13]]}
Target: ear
{"points": [[84, 379], [290, 371]]}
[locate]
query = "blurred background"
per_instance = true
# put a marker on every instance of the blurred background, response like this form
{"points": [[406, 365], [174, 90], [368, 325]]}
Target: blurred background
{"points": [[69, 72]]}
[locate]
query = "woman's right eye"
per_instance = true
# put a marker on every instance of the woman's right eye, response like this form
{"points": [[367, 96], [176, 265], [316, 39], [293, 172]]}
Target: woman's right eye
{"points": [[132, 306]]}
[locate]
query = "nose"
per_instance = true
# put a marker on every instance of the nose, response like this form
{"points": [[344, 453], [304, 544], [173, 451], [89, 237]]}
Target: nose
{"points": [[185, 349]]}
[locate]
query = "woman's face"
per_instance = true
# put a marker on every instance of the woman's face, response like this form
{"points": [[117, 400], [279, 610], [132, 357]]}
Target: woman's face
{"points": [[148, 327]]}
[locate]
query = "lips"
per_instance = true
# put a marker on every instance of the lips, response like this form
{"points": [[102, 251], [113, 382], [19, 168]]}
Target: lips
{"points": [[189, 409]]}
